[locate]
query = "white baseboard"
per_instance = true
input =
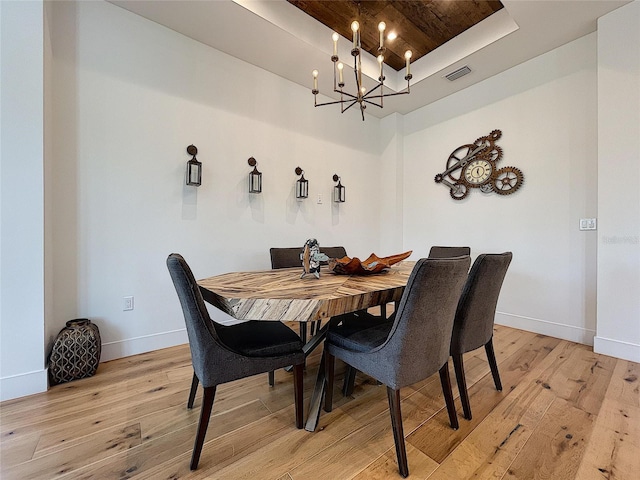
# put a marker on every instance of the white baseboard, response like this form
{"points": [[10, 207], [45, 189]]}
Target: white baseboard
{"points": [[147, 343], [36, 382], [552, 329], [23, 384], [617, 348]]}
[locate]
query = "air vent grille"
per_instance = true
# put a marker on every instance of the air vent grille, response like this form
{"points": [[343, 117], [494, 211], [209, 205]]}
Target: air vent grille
{"points": [[456, 74]]}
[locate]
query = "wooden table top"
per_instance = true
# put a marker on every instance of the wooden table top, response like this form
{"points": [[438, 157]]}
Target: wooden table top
{"points": [[282, 295]]}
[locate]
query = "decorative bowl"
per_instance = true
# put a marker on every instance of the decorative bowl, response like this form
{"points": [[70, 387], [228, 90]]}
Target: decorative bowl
{"points": [[373, 264]]}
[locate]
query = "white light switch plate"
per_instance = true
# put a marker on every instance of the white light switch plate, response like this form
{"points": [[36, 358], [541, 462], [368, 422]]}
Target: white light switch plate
{"points": [[588, 224], [127, 303]]}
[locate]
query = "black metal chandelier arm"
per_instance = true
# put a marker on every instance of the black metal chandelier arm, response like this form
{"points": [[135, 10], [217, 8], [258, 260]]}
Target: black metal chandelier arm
{"points": [[373, 103], [368, 94], [347, 94], [388, 94], [333, 103], [353, 102]]}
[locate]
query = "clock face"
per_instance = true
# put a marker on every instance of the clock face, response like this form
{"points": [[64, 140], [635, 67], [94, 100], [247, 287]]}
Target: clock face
{"points": [[478, 172]]}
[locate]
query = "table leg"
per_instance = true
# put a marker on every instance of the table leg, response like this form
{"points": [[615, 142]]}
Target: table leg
{"points": [[315, 405], [316, 340], [312, 344]]}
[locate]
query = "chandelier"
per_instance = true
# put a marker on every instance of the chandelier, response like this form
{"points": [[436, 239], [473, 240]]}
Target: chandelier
{"points": [[362, 97]]}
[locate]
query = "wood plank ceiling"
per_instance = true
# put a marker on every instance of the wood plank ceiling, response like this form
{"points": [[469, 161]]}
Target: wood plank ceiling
{"points": [[421, 25]]}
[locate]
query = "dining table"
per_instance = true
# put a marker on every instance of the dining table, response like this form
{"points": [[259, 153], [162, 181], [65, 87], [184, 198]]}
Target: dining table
{"points": [[286, 295]]}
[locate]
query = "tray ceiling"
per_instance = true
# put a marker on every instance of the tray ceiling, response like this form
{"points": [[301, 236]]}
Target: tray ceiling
{"points": [[279, 37], [421, 25]]}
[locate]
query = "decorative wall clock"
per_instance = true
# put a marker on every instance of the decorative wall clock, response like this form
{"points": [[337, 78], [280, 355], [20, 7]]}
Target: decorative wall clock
{"points": [[474, 166]]}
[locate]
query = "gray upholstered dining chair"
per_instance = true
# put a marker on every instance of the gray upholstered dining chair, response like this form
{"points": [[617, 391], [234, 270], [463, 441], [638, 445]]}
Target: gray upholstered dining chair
{"points": [[447, 252], [223, 353], [473, 326], [287, 257], [410, 348]]}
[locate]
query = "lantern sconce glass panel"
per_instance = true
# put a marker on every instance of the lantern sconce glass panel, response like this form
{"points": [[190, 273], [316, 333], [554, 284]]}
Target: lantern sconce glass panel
{"points": [[302, 185], [338, 190], [194, 168], [255, 177]]}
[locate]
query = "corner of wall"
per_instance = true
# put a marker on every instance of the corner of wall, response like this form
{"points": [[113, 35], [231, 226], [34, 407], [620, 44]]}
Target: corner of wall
{"points": [[391, 183], [23, 384]]}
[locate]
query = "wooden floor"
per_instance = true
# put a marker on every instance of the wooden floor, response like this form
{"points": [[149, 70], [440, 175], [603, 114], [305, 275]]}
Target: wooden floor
{"points": [[564, 413]]}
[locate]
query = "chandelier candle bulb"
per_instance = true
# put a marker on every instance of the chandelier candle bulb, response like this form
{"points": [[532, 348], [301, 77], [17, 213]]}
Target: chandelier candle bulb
{"points": [[335, 37], [381, 27], [341, 78], [380, 61], [407, 55], [354, 27], [315, 78]]}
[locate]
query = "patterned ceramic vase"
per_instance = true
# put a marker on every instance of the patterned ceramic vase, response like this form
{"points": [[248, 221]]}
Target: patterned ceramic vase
{"points": [[76, 351]]}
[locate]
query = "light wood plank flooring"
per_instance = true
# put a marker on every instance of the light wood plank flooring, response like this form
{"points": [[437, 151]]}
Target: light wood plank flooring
{"points": [[565, 413]]}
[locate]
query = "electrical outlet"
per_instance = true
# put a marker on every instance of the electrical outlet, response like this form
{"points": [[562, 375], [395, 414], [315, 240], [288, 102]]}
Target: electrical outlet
{"points": [[319, 199], [127, 303]]}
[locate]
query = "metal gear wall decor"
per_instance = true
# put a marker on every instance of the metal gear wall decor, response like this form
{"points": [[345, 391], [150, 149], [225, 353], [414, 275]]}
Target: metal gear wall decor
{"points": [[474, 166]]}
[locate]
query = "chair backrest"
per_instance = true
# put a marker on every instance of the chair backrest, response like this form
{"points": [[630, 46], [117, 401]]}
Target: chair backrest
{"points": [[476, 310], [448, 252], [287, 257], [333, 252], [418, 344], [200, 329]]}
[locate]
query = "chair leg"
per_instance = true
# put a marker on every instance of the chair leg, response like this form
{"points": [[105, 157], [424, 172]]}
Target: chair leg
{"points": [[448, 395], [349, 381], [398, 431], [458, 365], [383, 311], [298, 384], [192, 393], [329, 363], [205, 413], [272, 378], [491, 356]]}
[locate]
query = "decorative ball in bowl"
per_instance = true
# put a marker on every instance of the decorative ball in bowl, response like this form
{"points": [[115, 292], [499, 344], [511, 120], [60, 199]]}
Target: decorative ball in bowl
{"points": [[373, 264]]}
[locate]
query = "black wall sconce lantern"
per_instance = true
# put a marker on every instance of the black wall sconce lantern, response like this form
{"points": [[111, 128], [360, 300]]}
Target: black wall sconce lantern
{"points": [[302, 185], [255, 177], [194, 168], [338, 190]]}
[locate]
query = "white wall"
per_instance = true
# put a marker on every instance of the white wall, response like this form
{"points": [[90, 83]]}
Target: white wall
{"points": [[618, 181], [22, 204], [131, 96], [546, 109]]}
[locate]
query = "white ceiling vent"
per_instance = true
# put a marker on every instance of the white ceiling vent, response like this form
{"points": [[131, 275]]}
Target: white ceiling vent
{"points": [[456, 74]]}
